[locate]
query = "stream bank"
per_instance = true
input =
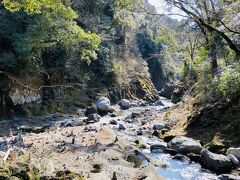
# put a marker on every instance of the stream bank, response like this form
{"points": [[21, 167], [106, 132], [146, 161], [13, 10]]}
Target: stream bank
{"points": [[121, 145]]}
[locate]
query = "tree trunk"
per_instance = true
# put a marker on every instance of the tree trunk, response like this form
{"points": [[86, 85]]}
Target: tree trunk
{"points": [[6, 103], [213, 56], [47, 92]]}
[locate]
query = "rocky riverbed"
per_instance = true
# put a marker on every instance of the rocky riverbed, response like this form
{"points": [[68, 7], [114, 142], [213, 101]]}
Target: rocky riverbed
{"points": [[110, 142]]}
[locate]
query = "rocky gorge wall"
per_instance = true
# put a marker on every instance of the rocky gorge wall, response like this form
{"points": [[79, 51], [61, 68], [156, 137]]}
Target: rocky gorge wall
{"points": [[122, 70]]}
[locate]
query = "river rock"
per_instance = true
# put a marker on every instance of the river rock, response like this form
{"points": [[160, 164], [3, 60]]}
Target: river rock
{"points": [[93, 118], [143, 122], [233, 159], [144, 104], [185, 145], [159, 147], [216, 162], [124, 103], [195, 157], [113, 122], [158, 126], [235, 152], [91, 110], [158, 103], [136, 114], [140, 132], [121, 127], [103, 105], [181, 157], [228, 177], [70, 122]]}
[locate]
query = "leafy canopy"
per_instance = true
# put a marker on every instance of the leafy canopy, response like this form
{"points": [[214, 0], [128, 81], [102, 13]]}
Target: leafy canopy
{"points": [[55, 23]]}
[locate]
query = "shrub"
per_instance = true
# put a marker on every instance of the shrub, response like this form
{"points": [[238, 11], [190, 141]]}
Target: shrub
{"points": [[228, 83]]}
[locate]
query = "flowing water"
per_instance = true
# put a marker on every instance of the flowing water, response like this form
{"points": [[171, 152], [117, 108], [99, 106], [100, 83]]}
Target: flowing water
{"points": [[176, 169]]}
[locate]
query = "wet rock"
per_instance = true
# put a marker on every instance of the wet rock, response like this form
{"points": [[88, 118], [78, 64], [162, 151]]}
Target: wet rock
{"points": [[157, 133], [195, 157], [129, 121], [136, 114], [140, 132], [91, 110], [113, 115], [185, 145], [124, 104], [70, 122], [163, 131], [228, 177], [233, 159], [143, 122], [144, 104], [121, 127], [113, 122], [216, 162], [133, 104], [158, 126], [103, 105], [93, 118], [159, 147], [181, 157], [158, 103], [168, 138], [235, 152]]}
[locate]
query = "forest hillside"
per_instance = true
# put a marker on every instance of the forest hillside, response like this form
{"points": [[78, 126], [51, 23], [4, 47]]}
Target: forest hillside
{"points": [[119, 89]]}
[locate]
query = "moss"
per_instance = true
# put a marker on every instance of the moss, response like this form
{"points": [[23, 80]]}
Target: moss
{"points": [[216, 145], [62, 175]]}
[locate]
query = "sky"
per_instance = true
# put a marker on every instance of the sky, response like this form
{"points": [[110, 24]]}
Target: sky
{"points": [[161, 8]]}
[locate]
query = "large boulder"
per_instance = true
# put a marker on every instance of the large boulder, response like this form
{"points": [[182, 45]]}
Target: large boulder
{"points": [[185, 145], [125, 104], [103, 105], [228, 177], [158, 126], [178, 92], [216, 162], [167, 90], [234, 151], [91, 110]]}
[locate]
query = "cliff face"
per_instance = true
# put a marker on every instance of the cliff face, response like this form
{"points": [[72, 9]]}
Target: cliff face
{"points": [[128, 65]]}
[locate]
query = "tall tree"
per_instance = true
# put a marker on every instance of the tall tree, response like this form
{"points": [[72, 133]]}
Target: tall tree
{"points": [[208, 15]]}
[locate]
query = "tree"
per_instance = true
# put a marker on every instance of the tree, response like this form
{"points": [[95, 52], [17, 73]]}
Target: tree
{"points": [[207, 14], [44, 41]]}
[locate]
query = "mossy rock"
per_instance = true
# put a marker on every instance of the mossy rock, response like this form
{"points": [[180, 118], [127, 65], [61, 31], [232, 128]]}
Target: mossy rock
{"points": [[216, 145]]}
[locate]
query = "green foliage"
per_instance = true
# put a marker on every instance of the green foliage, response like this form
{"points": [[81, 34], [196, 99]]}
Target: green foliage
{"points": [[204, 85], [125, 4], [201, 55], [228, 83], [38, 7], [167, 38]]}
